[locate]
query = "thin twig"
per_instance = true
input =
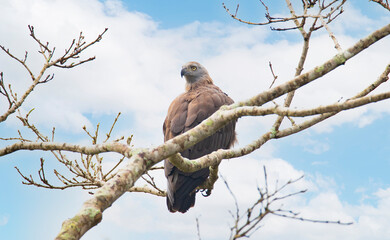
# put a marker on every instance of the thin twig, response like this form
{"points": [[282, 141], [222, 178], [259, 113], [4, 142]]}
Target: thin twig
{"points": [[273, 74]]}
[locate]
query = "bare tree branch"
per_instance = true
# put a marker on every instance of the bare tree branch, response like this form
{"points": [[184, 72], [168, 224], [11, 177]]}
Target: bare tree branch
{"points": [[113, 184], [87, 172], [247, 223], [121, 148], [334, 10], [47, 54]]}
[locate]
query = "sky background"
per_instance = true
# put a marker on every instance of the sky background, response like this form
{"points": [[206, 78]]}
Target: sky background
{"points": [[345, 159]]}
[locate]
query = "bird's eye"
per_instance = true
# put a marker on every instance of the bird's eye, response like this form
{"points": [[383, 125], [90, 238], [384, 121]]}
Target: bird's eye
{"points": [[193, 68]]}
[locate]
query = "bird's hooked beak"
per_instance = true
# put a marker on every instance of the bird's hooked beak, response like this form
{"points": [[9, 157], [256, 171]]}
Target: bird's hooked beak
{"points": [[183, 72]]}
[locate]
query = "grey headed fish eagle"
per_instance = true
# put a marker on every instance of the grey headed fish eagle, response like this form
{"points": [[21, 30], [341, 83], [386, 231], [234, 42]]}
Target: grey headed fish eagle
{"points": [[199, 101]]}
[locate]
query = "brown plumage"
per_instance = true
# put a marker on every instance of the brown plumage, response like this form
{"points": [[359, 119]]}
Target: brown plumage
{"points": [[200, 100]]}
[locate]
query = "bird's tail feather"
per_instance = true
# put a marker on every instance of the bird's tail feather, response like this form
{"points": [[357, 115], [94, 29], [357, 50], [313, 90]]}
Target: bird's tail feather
{"points": [[181, 195]]}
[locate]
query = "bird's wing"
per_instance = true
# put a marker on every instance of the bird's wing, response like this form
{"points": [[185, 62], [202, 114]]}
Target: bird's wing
{"points": [[185, 112], [191, 108]]}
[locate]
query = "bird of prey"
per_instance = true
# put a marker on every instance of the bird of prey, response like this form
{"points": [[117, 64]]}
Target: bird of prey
{"points": [[199, 101]]}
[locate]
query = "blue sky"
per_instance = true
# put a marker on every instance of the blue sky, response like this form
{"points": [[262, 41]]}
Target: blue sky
{"points": [[345, 160]]}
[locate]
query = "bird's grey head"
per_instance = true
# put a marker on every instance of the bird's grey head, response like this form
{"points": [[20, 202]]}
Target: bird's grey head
{"points": [[194, 72]]}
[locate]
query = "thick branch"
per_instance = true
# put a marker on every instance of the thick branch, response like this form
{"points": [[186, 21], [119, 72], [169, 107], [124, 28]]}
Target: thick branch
{"points": [[92, 210]]}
